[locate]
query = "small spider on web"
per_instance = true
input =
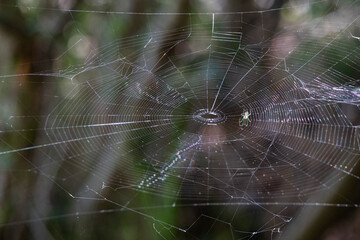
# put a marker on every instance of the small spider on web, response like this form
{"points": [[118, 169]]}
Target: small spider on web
{"points": [[244, 121]]}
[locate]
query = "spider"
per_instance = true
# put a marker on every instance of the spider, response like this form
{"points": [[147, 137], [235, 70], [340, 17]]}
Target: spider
{"points": [[245, 119]]}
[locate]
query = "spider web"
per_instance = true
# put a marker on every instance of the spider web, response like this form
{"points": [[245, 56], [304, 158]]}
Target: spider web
{"points": [[148, 125]]}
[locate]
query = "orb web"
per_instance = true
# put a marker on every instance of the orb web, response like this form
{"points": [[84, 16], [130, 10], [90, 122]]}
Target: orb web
{"points": [[159, 114]]}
